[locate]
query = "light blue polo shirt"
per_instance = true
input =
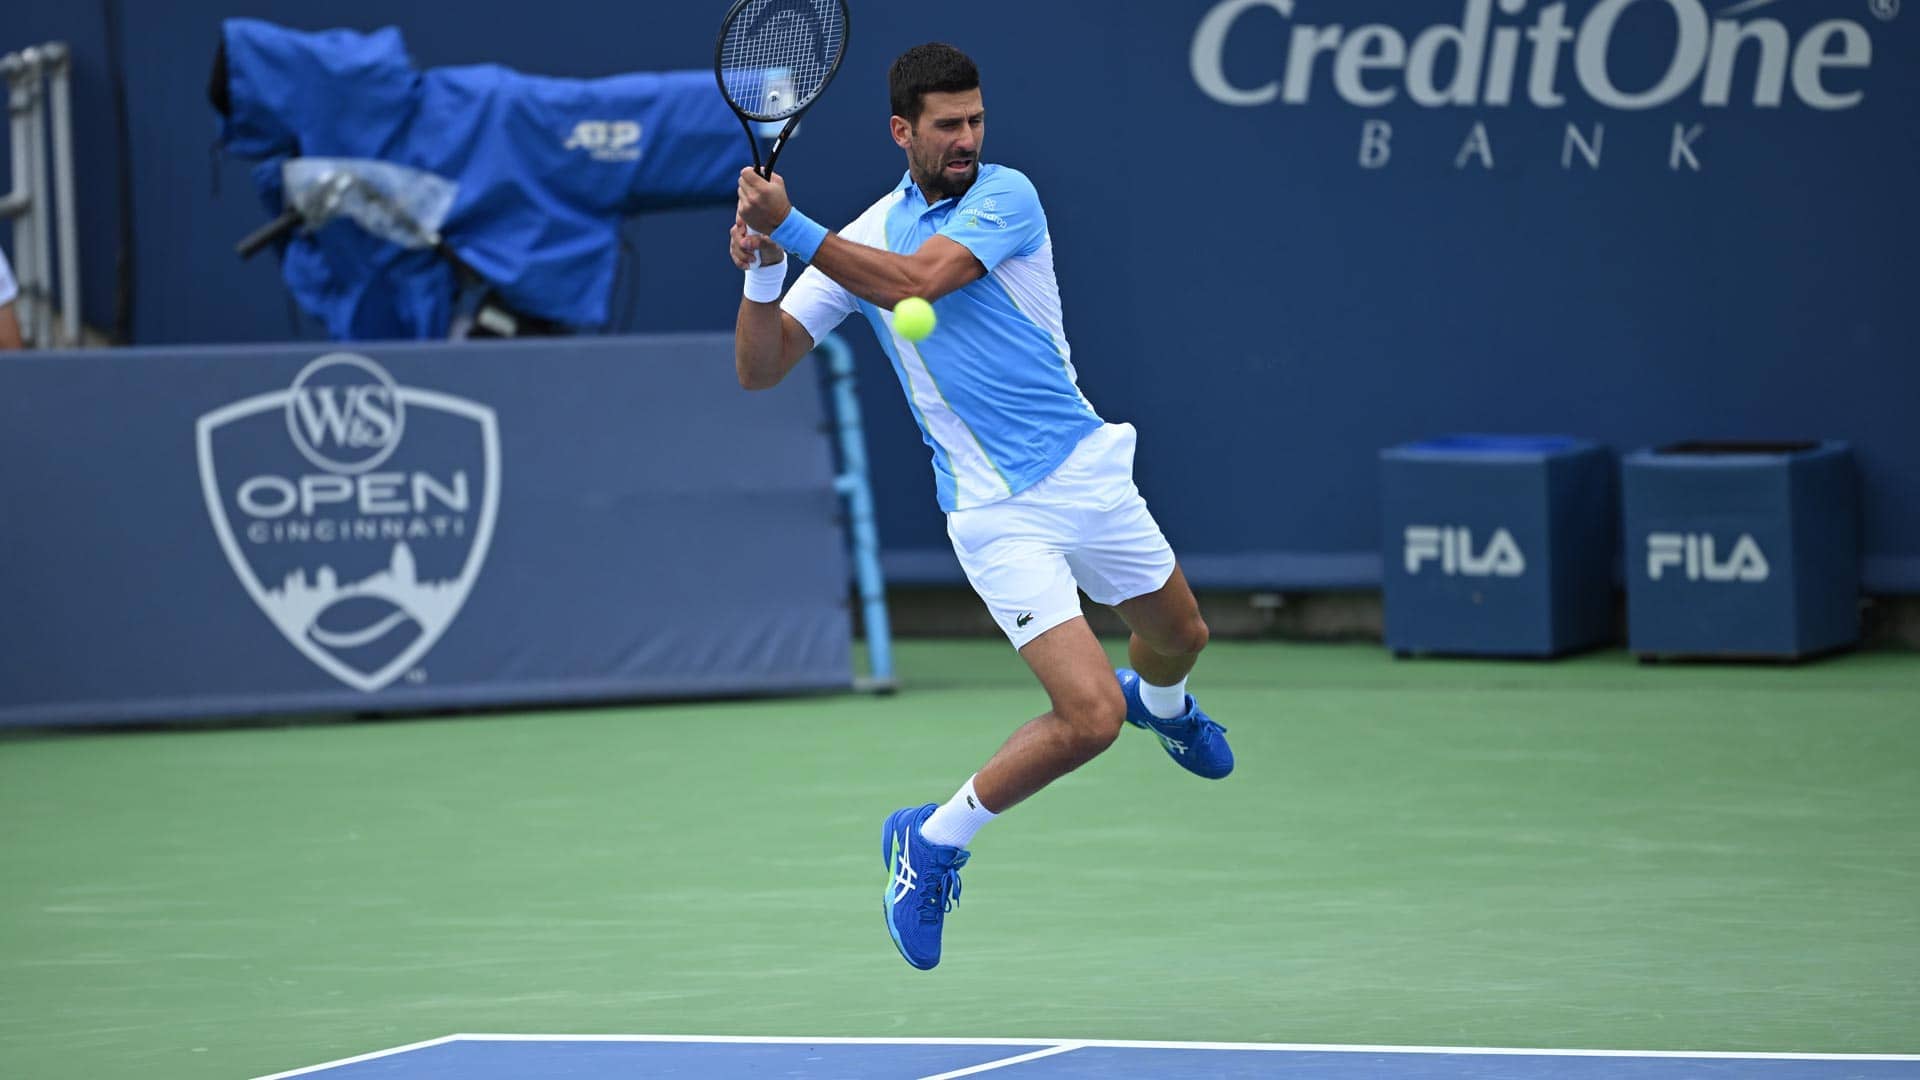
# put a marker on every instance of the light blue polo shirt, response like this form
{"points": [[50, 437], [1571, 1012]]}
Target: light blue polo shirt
{"points": [[993, 388]]}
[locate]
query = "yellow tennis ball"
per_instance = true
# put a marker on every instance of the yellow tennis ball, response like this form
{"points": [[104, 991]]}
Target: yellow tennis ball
{"points": [[913, 318]]}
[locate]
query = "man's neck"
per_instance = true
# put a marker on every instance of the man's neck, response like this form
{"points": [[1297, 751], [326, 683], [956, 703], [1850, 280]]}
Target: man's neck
{"points": [[933, 196]]}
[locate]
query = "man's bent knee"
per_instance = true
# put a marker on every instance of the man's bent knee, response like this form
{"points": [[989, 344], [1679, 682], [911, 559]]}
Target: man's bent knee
{"points": [[1093, 720], [1184, 638]]}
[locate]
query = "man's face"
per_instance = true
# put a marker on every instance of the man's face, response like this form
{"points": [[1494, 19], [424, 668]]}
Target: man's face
{"points": [[943, 148]]}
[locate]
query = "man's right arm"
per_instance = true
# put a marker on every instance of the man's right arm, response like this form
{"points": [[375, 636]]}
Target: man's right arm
{"points": [[767, 342]]}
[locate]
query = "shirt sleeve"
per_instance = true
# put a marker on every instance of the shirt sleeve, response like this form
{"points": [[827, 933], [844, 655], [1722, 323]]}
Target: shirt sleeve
{"points": [[998, 218], [818, 303], [8, 288]]}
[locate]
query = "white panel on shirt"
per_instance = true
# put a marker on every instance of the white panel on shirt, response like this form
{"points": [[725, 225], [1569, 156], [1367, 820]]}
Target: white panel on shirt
{"points": [[976, 481], [816, 301], [820, 304], [1030, 281]]}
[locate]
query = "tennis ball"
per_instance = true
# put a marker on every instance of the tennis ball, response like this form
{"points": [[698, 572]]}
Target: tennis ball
{"points": [[913, 318]]}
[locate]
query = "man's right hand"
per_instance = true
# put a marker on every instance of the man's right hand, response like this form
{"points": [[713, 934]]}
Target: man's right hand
{"points": [[763, 201], [743, 245]]}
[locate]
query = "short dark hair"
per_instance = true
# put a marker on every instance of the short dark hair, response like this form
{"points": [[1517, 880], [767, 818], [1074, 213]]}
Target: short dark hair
{"points": [[933, 68]]}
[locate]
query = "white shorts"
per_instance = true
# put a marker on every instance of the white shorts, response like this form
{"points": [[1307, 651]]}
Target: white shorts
{"points": [[1084, 526]]}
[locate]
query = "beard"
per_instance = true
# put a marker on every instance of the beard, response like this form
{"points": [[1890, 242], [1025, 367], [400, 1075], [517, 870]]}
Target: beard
{"points": [[934, 176]]}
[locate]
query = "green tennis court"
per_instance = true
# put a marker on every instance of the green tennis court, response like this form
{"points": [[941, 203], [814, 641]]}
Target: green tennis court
{"points": [[1588, 853]]}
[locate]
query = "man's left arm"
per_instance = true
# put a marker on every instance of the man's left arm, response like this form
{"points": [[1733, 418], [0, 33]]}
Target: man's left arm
{"points": [[884, 278], [870, 273], [879, 277]]}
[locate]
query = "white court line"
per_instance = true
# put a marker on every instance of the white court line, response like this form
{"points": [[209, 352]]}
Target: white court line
{"points": [[777, 1040], [360, 1058], [1047, 1047], [989, 1066], [1320, 1048]]}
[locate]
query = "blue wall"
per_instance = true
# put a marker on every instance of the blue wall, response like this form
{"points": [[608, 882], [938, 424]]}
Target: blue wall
{"points": [[1268, 309]]}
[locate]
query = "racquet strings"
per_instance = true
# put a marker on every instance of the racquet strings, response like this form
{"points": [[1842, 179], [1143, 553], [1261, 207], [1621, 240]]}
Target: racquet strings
{"points": [[777, 55]]}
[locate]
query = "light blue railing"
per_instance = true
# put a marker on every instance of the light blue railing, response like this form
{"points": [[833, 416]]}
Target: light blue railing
{"points": [[855, 488]]}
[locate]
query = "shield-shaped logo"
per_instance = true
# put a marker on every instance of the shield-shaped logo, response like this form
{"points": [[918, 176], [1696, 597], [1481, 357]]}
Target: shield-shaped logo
{"points": [[355, 511]]}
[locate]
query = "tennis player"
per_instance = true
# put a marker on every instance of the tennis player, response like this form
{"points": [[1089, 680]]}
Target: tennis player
{"points": [[1037, 488]]}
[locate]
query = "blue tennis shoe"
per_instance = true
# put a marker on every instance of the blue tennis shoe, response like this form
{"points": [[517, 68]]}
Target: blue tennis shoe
{"points": [[923, 884], [1191, 739]]}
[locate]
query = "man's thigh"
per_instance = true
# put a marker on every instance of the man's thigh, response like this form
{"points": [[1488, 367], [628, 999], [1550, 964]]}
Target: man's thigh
{"points": [[1165, 615], [1073, 667], [1117, 551], [1013, 558], [1121, 554]]}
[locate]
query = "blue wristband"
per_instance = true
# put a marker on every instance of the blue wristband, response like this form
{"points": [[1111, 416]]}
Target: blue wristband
{"points": [[800, 234]]}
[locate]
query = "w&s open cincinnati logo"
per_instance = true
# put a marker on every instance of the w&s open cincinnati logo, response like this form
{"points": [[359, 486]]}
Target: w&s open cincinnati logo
{"points": [[355, 511]]}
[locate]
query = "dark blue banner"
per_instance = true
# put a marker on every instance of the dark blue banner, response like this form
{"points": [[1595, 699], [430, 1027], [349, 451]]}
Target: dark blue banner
{"points": [[1289, 233], [192, 533]]}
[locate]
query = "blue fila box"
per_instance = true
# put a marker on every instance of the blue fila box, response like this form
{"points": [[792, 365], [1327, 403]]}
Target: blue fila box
{"points": [[1742, 549], [1499, 545]]}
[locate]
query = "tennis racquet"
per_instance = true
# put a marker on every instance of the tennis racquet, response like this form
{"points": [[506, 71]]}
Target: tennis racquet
{"points": [[773, 59]]}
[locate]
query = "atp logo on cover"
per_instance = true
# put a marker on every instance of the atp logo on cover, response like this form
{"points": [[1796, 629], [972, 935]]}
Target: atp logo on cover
{"points": [[606, 140], [354, 510]]}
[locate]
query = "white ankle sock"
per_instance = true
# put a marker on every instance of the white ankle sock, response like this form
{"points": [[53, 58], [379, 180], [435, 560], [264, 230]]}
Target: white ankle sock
{"points": [[1165, 702], [954, 824]]}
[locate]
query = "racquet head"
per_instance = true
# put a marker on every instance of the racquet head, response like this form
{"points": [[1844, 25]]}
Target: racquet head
{"points": [[774, 57]]}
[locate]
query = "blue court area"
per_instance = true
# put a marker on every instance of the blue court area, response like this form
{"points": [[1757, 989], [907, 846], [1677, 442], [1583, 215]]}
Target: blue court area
{"points": [[515, 1057]]}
